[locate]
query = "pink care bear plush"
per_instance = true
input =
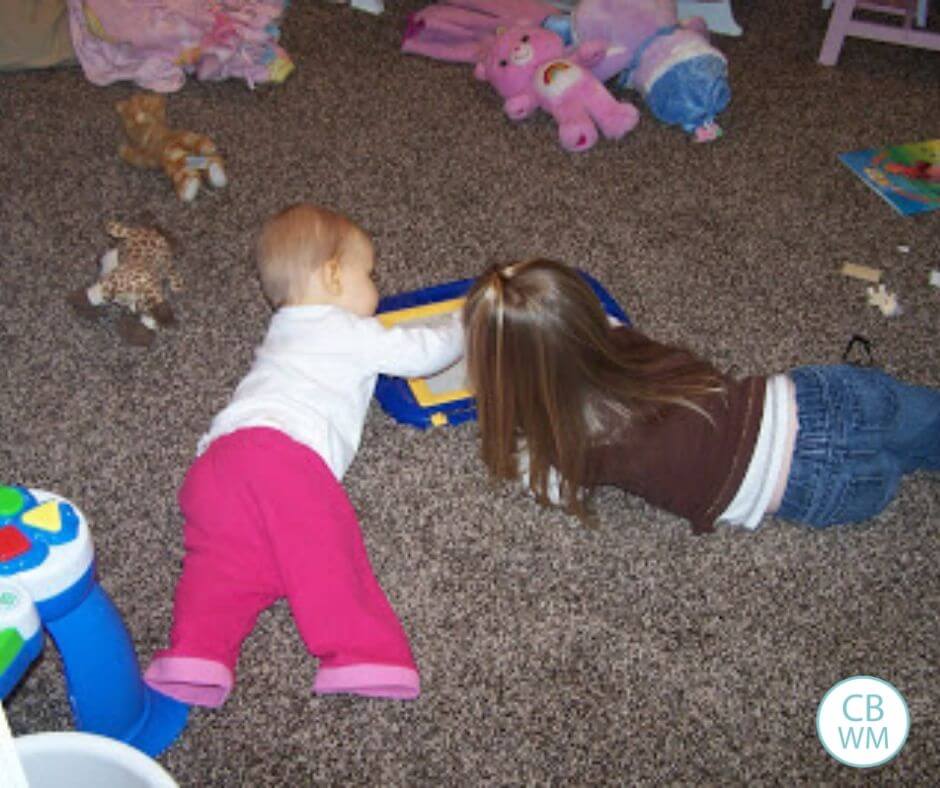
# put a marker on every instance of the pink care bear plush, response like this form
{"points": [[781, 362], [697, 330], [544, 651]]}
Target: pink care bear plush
{"points": [[530, 67]]}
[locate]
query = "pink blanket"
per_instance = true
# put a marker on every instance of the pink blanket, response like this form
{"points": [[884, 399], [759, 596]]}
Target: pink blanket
{"points": [[459, 30], [157, 43]]}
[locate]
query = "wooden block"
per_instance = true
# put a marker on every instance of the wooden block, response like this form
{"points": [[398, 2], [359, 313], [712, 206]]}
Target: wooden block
{"points": [[862, 272]]}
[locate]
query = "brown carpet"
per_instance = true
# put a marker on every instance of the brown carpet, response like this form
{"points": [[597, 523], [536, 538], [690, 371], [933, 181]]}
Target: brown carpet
{"points": [[632, 654]]}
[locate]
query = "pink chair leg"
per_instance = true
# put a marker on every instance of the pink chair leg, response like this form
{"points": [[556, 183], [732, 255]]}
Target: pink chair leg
{"points": [[835, 34], [841, 24]]}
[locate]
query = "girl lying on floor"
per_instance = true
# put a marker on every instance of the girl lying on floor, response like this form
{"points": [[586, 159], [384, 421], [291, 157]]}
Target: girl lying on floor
{"points": [[567, 402]]}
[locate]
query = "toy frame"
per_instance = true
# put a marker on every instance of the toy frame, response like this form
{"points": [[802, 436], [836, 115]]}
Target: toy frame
{"points": [[413, 401]]}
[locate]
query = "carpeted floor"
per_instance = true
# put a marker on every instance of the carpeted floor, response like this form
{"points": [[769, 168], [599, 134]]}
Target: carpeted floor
{"points": [[635, 653]]}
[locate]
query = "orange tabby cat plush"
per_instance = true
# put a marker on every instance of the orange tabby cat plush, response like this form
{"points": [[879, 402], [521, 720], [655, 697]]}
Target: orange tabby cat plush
{"points": [[185, 156]]}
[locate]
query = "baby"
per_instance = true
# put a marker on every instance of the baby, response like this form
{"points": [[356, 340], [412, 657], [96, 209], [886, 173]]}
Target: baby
{"points": [[265, 514]]}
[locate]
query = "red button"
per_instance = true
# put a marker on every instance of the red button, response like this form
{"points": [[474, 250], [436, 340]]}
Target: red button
{"points": [[12, 543]]}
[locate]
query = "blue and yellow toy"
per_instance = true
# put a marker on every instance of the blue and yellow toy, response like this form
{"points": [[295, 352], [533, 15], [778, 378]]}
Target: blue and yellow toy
{"points": [[442, 398], [47, 581]]}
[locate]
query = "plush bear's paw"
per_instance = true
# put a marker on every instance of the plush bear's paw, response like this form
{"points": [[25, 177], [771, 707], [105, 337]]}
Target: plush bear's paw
{"points": [[135, 333], [79, 302], [217, 175], [108, 262], [188, 188], [577, 136], [163, 314], [621, 120]]}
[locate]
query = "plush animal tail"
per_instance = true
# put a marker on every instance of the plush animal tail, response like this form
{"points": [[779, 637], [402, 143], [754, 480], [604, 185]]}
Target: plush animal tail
{"points": [[459, 30]]}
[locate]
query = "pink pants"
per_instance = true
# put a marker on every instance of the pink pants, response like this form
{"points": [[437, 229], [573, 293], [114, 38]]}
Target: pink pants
{"points": [[265, 519]]}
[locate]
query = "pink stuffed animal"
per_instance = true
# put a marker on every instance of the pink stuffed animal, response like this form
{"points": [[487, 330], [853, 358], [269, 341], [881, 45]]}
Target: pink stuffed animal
{"points": [[530, 68]]}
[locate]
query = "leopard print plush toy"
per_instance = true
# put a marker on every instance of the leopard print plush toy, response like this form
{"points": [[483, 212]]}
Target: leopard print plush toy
{"points": [[185, 156], [133, 276]]}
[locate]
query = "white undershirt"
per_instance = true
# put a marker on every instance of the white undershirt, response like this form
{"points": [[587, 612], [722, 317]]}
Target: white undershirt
{"points": [[762, 478], [774, 440], [314, 374]]}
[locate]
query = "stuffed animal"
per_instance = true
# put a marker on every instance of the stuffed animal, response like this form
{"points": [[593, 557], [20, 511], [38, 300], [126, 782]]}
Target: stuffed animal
{"points": [[682, 78], [184, 156], [680, 75], [530, 67], [133, 276]]}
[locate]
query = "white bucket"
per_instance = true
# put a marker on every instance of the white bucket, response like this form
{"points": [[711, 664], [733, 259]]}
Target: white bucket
{"points": [[86, 760]]}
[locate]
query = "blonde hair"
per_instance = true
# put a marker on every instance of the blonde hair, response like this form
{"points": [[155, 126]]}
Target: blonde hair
{"points": [[549, 376], [294, 243]]}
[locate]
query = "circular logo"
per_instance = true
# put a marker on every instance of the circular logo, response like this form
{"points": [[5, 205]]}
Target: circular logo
{"points": [[8, 599], [863, 721]]}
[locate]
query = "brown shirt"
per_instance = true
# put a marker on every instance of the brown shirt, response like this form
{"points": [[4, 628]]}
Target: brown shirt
{"points": [[678, 460]]}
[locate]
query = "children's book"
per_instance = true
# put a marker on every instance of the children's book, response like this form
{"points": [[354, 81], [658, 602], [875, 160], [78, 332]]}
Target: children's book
{"points": [[906, 176]]}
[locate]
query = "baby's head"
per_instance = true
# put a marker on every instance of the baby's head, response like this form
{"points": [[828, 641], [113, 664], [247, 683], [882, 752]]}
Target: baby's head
{"points": [[312, 255]]}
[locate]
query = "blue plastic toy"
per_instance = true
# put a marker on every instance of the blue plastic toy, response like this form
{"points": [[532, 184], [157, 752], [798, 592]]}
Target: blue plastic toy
{"points": [[47, 580], [443, 399]]}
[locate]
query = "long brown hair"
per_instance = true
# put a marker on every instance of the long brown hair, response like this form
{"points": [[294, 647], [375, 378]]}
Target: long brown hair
{"points": [[549, 377]]}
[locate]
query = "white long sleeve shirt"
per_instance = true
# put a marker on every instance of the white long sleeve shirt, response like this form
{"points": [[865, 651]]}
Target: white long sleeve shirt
{"points": [[314, 374]]}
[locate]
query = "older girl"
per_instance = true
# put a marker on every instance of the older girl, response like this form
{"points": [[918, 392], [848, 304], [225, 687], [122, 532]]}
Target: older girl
{"points": [[568, 402]]}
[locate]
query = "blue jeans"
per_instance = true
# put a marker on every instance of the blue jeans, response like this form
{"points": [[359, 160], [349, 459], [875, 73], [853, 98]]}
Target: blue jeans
{"points": [[860, 430]]}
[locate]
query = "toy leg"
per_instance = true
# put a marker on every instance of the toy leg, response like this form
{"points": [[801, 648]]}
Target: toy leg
{"points": [[162, 314], [141, 330], [576, 130], [109, 261], [615, 118], [104, 684], [192, 142], [83, 306], [137, 332], [215, 172], [206, 158], [98, 294], [185, 179], [86, 304], [155, 313]]}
